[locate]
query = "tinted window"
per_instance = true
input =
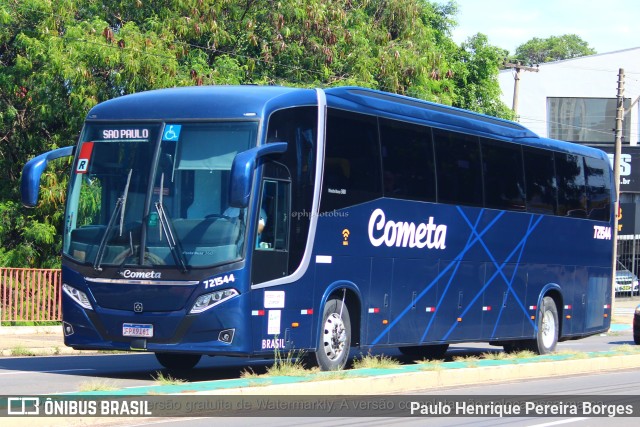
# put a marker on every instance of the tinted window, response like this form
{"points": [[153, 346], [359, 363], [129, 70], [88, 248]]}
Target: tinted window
{"points": [[539, 176], [598, 184], [458, 168], [352, 172], [297, 127], [407, 158], [503, 175], [572, 200]]}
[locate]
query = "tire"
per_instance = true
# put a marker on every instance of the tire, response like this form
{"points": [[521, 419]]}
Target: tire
{"points": [[548, 329], [434, 351], [334, 338], [178, 361]]}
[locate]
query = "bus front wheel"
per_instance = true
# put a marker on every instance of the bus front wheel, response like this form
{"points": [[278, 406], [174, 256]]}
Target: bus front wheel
{"points": [[177, 361], [334, 340]]}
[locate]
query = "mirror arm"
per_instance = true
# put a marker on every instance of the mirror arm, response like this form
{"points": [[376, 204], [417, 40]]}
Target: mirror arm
{"points": [[32, 171], [243, 167]]}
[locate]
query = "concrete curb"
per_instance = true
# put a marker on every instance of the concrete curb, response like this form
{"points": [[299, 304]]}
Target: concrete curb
{"points": [[439, 378], [401, 379]]}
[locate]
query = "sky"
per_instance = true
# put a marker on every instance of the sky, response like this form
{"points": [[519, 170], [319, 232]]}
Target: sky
{"points": [[606, 25]]}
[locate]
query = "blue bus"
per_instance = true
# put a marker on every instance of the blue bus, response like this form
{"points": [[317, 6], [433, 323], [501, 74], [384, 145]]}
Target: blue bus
{"points": [[242, 221]]}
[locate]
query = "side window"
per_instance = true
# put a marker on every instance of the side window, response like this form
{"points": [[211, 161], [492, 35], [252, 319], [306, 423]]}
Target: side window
{"points": [[503, 175], [572, 200], [407, 160], [598, 185], [273, 227], [271, 247], [539, 174], [352, 161], [458, 168], [297, 127]]}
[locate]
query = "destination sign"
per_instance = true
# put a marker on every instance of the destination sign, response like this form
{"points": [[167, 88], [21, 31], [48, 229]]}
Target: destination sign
{"points": [[125, 133]]}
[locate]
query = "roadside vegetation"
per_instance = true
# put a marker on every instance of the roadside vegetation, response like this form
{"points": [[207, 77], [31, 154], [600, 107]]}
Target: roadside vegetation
{"points": [[97, 385], [20, 351], [381, 361], [167, 379]]}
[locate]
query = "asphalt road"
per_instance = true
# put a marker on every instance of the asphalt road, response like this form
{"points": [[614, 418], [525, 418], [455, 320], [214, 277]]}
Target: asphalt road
{"points": [[621, 386], [624, 386], [64, 374]]}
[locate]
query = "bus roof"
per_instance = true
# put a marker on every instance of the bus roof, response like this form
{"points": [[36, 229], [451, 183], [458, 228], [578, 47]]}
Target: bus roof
{"points": [[438, 115], [247, 102], [198, 102]]}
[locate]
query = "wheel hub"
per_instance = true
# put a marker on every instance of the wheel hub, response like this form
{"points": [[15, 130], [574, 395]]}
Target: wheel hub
{"points": [[334, 336], [548, 329]]}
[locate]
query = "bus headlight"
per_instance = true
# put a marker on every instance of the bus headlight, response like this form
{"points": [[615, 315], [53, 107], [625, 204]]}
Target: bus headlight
{"points": [[78, 296], [206, 301]]}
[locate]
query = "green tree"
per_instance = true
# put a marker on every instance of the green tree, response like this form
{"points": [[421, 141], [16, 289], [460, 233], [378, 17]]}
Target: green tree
{"points": [[477, 77], [554, 48], [58, 58]]}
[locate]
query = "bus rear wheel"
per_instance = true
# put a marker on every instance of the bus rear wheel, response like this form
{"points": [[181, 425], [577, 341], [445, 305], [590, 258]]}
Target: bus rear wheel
{"points": [[334, 339], [434, 351], [178, 361], [547, 335], [548, 328]]}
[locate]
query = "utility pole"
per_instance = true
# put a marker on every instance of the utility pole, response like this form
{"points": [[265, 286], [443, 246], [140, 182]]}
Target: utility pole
{"points": [[616, 175], [516, 88]]}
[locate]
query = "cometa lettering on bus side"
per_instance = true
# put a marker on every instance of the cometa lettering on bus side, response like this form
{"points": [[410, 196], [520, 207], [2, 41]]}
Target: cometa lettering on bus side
{"points": [[403, 234]]}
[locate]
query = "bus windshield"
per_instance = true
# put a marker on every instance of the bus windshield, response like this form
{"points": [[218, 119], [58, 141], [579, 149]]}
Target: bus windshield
{"points": [[156, 195]]}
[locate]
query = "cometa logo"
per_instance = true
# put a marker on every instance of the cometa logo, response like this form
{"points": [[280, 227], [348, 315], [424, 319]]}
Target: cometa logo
{"points": [[403, 234], [128, 274]]}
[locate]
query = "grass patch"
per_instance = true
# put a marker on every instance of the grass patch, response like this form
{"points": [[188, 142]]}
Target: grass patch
{"points": [[330, 375], [431, 365], [375, 362], [97, 385], [21, 351], [572, 354], [626, 348], [30, 323], [469, 361], [289, 364], [500, 355], [161, 379], [248, 374], [522, 354]]}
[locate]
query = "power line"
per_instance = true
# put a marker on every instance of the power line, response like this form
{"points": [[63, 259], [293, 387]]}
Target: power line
{"points": [[529, 119]]}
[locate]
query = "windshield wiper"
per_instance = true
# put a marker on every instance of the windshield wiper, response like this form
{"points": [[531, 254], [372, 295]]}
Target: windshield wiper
{"points": [[118, 209], [165, 226]]}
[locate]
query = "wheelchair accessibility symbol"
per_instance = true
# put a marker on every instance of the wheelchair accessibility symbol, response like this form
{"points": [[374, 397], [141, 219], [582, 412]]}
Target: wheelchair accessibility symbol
{"points": [[171, 132]]}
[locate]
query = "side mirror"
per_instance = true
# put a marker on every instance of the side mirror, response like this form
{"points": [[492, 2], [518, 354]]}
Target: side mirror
{"points": [[32, 171], [243, 168]]}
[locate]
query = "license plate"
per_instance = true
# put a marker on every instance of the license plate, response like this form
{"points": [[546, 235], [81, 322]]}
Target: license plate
{"points": [[625, 288], [137, 330]]}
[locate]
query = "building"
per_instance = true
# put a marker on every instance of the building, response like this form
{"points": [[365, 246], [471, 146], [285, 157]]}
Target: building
{"points": [[575, 100]]}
